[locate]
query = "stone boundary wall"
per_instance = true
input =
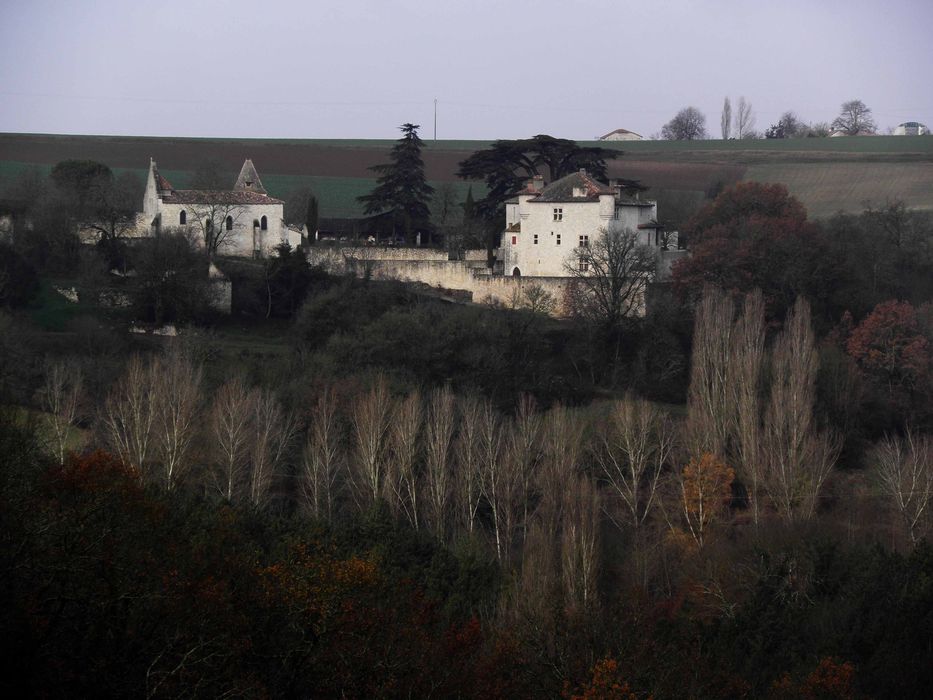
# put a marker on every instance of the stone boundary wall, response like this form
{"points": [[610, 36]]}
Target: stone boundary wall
{"points": [[383, 252], [463, 275]]}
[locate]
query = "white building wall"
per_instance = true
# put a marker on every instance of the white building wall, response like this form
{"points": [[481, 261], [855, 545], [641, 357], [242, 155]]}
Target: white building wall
{"points": [[545, 245], [247, 235]]}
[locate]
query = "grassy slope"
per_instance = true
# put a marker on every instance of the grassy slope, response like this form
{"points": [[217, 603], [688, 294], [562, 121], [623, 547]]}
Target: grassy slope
{"points": [[827, 174]]}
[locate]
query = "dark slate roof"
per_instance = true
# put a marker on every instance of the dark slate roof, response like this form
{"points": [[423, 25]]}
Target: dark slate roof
{"points": [[562, 190], [248, 180], [218, 197]]}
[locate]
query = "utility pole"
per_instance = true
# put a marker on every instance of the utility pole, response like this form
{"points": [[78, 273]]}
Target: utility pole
{"points": [[435, 120]]}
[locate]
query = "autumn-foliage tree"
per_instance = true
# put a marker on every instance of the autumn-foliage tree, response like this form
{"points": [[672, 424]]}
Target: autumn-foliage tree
{"points": [[756, 236], [894, 351], [703, 491]]}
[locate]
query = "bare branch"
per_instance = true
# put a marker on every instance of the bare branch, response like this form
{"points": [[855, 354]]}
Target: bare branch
{"points": [[61, 396], [231, 418], [323, 457], [905, 471]]}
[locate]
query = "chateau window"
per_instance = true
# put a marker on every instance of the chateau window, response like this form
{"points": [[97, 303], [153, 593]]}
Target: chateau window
{"points": [[558, 214], [584, 241], [229, 223], [514, 240], [536, 239], [584, 267], [182, 217], [558, 239], [263, 224]]}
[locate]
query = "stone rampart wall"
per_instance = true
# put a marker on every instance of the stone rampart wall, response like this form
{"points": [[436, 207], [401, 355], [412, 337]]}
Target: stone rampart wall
{"points": [[442, 274]]}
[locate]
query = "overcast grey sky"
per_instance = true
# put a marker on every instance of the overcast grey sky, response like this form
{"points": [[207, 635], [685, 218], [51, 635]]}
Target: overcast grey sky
{"points": [[512, 68]]}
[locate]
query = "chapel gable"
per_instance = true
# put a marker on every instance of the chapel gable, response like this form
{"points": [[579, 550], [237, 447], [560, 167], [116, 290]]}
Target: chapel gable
{"points": [[248, 179]]}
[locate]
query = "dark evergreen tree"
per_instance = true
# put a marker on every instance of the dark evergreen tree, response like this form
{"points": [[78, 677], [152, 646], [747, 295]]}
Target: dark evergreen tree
{"points": [[469, 207], [507, 164], [402, 190]]}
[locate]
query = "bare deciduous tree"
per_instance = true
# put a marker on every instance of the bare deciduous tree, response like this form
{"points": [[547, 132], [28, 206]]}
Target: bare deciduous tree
{"points": [[439, 477], [61, 399], [525, 448], [323, 457], [610, 276], [905, 470], [370, 421], [725, 121], [469, 454], [403, 473], [231, 418], [744, 119], [580, 541], [748, 343], [636, 445], [215, 222], [129, 414], [797, 457], [177, 385], [688, 124], [562, 446], [273, 431], [854, 119], [710, 401], [498, 477]]}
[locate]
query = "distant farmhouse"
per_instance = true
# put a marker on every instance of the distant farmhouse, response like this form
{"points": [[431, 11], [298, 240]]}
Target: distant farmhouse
{"points": [[544, 224], [911, 129], [620, 135], [244, 221]]}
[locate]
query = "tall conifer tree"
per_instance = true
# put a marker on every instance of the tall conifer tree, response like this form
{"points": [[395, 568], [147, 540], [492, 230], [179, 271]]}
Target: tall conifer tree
{"points": [[401, 188]]}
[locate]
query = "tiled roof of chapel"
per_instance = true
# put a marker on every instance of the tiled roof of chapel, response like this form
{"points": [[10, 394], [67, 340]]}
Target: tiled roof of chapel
{"points": [[218, 197]]}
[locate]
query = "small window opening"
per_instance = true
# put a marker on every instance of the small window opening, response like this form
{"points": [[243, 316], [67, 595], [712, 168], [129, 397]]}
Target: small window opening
{"points": [[263, 224], [229, 223], [182, 217]]}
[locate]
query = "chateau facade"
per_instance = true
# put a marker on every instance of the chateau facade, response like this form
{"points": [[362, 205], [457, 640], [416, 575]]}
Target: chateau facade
{"points": [[544, 225]]}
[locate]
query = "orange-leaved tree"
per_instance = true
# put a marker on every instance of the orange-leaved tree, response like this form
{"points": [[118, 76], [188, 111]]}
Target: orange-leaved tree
{"points": [[704, 491]]}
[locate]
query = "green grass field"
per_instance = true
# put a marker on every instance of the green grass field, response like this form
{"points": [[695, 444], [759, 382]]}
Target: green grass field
{"points": [[827, 174]]}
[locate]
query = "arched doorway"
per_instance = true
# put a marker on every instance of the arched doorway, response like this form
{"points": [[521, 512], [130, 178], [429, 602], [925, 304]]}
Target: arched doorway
{"points": [[516, 272]]}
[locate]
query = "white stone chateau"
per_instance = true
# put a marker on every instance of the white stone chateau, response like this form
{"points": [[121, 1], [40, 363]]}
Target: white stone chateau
{"points": [[244, 221], [544, 225]]}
